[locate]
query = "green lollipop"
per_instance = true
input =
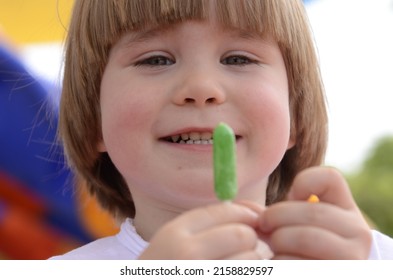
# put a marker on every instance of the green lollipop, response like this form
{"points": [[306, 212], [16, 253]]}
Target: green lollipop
{"points": [[224, 160]]}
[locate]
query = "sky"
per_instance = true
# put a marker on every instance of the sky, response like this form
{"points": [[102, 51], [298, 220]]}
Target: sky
{"points": [[354, 39], [355, 46]]}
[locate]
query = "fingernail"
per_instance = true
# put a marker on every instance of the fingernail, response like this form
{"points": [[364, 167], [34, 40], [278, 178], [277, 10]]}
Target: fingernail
{"points": [[263, 250]]}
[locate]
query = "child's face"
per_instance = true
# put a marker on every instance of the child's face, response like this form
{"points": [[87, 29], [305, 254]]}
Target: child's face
{"points": [[160, 84]]}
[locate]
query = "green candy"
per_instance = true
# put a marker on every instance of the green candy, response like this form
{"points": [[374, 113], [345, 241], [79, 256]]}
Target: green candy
{"points": [[224, 161]]}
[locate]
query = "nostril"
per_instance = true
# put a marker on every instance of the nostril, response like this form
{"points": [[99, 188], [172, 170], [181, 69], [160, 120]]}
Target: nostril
{"points": [[207, 101], [211, 100]]}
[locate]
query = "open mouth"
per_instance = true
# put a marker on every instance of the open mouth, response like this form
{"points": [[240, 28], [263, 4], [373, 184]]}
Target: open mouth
{"points": [[195, 138]]}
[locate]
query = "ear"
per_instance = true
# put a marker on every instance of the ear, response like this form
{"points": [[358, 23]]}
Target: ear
{"points": [[101, 147]]}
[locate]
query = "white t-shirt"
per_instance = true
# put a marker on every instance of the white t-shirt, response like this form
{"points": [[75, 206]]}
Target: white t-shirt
{"points": [[125, 245], [128, 245]]}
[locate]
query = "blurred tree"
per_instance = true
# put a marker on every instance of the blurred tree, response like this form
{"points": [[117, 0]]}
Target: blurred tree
{"points": [[372, 185]]}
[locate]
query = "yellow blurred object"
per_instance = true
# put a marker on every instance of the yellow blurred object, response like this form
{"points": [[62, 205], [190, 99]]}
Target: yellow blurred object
{"points": [[313, 198], [35, 21]]}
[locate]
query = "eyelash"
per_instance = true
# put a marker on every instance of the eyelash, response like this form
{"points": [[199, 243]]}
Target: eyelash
{"points": [[238, 60], [154, 61], [159, 60]]}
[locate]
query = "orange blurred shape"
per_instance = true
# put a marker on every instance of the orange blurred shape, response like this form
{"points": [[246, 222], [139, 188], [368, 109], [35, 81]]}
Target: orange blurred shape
{"points": [[14, 193], [95, 220], [26, 237], [27, 21], [313, 198]]}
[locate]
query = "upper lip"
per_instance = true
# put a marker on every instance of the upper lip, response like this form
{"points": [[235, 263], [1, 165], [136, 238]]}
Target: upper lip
{"points": [[188, 131]]}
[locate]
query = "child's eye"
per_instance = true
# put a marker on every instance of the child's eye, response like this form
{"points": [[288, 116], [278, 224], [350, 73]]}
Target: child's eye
{"points": [[157, 60], [240, 60]]}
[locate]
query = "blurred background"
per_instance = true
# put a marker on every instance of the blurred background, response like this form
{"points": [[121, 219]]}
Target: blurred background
{"points": [[41, 214]]}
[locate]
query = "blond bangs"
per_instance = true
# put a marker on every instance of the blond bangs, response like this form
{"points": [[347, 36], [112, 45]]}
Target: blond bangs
{"points": [[110, 19]]}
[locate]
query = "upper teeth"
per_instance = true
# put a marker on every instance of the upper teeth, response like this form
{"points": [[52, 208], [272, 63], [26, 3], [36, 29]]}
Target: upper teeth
{"points": [[193, 138]]}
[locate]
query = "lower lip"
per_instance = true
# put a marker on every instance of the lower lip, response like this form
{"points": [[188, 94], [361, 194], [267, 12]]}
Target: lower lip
{"points": [[192, 147]]}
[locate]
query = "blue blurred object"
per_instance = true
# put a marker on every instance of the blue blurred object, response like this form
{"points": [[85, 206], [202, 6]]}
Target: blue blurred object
{"points": [[28, 149]]}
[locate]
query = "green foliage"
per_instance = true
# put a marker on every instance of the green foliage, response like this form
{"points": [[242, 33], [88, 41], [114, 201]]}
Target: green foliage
{"points": [[372, 185]]}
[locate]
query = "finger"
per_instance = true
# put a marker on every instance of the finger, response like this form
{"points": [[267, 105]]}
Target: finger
{"points": [[249, 255], [327, 183], [217, 214], [322, 215], [256, 207], [261, 252], [288, 257], [225, 240], [312, 243]]}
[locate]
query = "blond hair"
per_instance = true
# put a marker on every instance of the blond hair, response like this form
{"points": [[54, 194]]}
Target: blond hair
{"points": [[96, 25]]}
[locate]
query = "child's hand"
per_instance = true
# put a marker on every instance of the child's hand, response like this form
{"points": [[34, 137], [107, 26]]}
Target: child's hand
{"points": [[331, 229], [220, 231]]}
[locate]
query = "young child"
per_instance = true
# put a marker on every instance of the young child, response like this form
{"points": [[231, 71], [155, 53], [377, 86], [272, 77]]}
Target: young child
{"points": [[146, 82]]}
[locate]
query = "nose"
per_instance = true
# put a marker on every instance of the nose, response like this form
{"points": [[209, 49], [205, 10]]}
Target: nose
{"points": [[199, 90]]}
